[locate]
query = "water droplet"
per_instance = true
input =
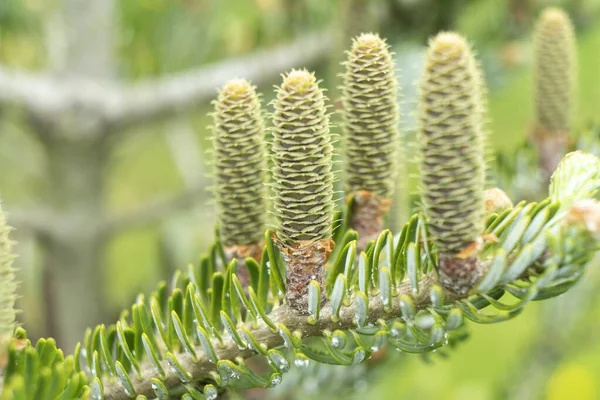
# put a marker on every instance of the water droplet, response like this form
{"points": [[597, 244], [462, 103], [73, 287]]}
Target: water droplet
{"points": [[302, 362], [275, 380], [286, 339], [224, 372], [338, 340], [210, 392], [279, 361], [97, 391], [359, 356]]}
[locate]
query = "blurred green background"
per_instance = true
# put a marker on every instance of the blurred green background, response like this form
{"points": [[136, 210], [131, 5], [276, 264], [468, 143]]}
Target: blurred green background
{"points": [[549, 352]]}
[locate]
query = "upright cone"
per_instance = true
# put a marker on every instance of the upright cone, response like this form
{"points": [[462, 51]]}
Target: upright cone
{"points": [[452, 165], [239, 171], [371, 116], [554, 73], [303, 188], [8, 289]]}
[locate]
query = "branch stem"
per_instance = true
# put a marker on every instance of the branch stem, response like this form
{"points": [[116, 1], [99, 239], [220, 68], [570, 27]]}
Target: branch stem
{"points": [[284, 315]]}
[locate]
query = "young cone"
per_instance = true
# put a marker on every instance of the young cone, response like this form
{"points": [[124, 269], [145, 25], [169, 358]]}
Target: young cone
{"points": [[8, 288], [371, 114], [303, 188], [239, 165], [452, 158], [554, 51]]}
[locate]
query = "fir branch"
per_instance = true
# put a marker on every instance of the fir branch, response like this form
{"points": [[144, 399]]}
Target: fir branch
{"points": [[553, 249], [287, 317]]}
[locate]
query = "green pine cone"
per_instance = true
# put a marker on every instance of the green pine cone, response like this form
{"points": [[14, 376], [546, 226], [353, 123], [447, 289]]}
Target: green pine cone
{"points": [[302, 158], [451, 144], [554, 49], [8, 287], [371, 116], [239, 164]]}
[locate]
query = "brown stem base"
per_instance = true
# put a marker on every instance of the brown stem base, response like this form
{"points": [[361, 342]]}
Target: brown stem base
{"points": [[305, 261], [551, 147], [241, 252], [367, 211], [459, 275]]}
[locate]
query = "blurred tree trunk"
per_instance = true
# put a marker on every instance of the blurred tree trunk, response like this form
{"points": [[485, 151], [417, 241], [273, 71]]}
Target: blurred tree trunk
{"points": [[73, 260], [421, 18], [520, 13]]}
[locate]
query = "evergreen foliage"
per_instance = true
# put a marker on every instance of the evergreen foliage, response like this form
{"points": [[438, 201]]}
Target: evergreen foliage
{"points": [[42, 372], [304, 300]]}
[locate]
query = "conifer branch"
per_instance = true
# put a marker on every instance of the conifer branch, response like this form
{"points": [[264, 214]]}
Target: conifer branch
{"points": [[286, 316], [455, 261]]}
